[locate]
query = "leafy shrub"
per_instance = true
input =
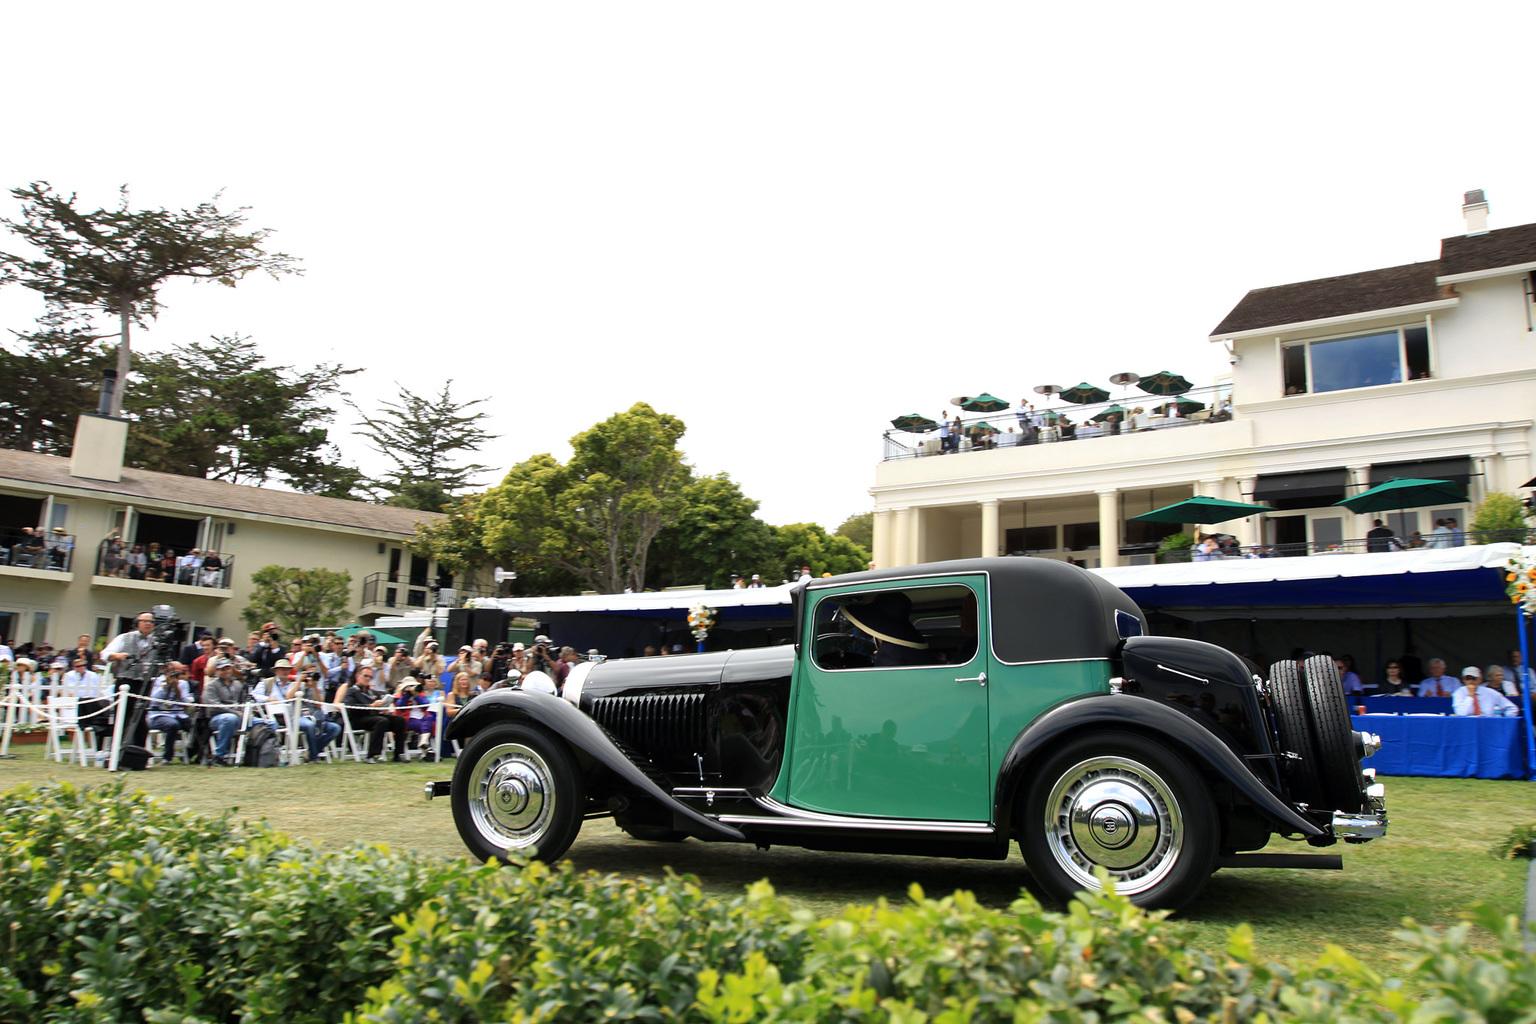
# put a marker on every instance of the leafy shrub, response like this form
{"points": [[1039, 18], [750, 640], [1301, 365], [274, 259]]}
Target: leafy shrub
{"points": [[120, 909], [1175, 548]]}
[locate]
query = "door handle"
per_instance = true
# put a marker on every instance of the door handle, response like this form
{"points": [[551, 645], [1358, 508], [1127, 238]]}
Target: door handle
{"points": [[982, 679]]}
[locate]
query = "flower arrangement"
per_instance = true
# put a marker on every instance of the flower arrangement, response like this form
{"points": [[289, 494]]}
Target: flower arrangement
{"points": [[701, 620], [1520, 583]]}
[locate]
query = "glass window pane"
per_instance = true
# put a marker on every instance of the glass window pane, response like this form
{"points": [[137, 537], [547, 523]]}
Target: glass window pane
{"points": [[39, 628], [1295, 370], [1356, 362], [1327, 532], [1080, 536]]}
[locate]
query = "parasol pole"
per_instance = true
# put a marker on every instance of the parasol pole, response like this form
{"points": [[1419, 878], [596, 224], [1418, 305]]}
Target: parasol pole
{"points": [[1525, 689]]}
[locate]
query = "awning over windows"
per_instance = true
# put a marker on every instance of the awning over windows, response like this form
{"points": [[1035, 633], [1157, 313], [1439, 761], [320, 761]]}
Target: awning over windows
{"points": [[1458, 470], [1326, 485]]}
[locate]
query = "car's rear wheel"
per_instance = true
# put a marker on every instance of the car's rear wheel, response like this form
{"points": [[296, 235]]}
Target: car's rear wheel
{"points": [[1125, 803], [517, 788], [1294, 721], [1338, 762]]}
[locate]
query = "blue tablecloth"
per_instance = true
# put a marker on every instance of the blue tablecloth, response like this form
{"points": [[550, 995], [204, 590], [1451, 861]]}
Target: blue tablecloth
{"points": [[1405, 705], [1449, 747]]}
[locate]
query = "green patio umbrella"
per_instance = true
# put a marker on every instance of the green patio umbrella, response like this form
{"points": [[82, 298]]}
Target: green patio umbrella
{"points": [[1200, 509], [1186, 405], [1084, 394], [1051, 414], [1164, 383], [985, 426], [1401, 492], [1108, 411], [983, 403], [914, 424]]}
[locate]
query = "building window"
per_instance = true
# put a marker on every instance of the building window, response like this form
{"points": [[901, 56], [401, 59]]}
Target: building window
{"points": [[1080, 536], [1030, 539], [1359, 361]]}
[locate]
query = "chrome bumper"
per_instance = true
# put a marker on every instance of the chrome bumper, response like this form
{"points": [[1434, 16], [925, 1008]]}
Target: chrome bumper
{"points": [[437, 789], [1362, 828]]}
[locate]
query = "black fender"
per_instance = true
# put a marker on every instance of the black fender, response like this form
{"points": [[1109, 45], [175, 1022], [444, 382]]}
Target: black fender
{"points": [[570, 724], [1138, 714]]}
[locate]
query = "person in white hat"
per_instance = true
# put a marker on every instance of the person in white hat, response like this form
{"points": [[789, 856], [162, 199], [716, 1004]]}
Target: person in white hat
{"points": [[757, 582], [1475, 700]]}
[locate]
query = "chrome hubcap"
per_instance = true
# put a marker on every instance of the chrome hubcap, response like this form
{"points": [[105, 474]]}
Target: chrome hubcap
{"points": [[1114, 813], [511, 796]]}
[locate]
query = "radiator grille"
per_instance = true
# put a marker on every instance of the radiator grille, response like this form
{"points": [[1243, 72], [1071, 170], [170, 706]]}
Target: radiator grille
{"points": [[663, 726]]}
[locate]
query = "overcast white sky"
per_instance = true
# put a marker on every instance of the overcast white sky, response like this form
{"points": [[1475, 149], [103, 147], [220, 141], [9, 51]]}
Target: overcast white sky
{"points": [[785, 223]]}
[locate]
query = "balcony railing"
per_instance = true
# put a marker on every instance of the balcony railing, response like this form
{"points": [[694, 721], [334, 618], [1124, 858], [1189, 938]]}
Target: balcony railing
{"points": [[1359, 546], [396, 590], [212, 569], [1067, 423], [27, 548]]}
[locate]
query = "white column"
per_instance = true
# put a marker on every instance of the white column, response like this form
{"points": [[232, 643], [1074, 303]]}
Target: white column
{"points": [[902, 555], [1109, 528], [989, 529], [1355, 526], [880, 549], [1248, 531]]}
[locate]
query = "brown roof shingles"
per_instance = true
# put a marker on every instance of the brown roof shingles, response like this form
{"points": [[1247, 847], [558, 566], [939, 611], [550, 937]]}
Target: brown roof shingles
{"points": [[1506, 247], [1334, 296], [53, 471]]}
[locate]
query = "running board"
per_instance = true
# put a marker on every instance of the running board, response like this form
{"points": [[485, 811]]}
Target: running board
{"points": [[1316, 861], [781, 816]]}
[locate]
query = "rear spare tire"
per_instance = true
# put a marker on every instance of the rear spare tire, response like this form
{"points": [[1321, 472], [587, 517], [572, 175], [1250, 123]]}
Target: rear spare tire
{"points": [[1338, 764], [1294, 723]]}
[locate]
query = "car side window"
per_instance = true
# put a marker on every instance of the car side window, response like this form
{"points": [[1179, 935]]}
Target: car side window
{"points": [[899, 627]]}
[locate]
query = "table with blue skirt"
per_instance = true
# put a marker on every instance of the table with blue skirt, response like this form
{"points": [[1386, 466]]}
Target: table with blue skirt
{"points": [[1447, 746]]}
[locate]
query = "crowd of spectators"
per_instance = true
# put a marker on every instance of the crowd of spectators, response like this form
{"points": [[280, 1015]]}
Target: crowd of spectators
{"points": [[192, 568], [1495, 690], [37, 548]]}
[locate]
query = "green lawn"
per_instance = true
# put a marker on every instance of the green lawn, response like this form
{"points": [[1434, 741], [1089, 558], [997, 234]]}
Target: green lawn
{"points": [[1433, 863]]}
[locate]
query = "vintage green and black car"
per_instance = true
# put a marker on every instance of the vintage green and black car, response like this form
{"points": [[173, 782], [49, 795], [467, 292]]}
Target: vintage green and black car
{"points": [[944, 709]]}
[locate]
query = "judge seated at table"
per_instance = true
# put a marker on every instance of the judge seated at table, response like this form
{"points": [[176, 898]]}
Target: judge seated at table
{"points": [[1475, 699]]}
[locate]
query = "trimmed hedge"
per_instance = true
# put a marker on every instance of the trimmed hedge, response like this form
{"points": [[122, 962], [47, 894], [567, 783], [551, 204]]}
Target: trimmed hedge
{"points": [[117, 908]]}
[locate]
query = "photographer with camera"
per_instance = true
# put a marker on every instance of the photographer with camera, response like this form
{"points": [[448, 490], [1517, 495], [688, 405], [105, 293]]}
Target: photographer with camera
{"points": [[428, 660], [135, 660], [399, 667], [317, 728]]}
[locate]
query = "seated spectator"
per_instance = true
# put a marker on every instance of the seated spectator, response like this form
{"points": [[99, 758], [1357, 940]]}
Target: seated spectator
{"points": [[1393, 684], [1348, 676], [465, 689], [272, 692], [1516, 675], [368, 708], [223, 694], [169, 707], [154, 573], [416, 700], [212, 570], [94, 708], [1474, 699], [1438, 684], [318, 729], [137, 562], [187, 567]]}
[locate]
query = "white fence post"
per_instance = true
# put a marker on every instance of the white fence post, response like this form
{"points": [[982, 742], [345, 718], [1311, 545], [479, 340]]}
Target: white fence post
{"points": [[118, 721]]}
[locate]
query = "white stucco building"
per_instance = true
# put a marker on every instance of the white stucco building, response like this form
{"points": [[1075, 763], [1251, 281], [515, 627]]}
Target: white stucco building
{"points": [[1421, 370]]}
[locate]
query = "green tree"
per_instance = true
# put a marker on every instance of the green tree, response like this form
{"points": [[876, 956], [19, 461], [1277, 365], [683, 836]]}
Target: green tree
{"points": [[593, 518], [116, 260], [421, 435], [297, 598], [1500, 517], [218, 410], [809, 544], [45, 386], [717, 534], [860, 529]]}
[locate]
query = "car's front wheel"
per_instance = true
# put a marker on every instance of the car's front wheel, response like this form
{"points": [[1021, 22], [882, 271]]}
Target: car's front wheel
{"points": [[517, 788], [1124, 803]]}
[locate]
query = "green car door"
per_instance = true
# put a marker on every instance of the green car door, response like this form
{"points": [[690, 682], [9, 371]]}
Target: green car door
{"points": [[890, 711]]}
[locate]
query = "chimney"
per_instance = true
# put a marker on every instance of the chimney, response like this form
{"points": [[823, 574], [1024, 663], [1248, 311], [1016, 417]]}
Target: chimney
{"points": [[100, 439], [1475, 209]]}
